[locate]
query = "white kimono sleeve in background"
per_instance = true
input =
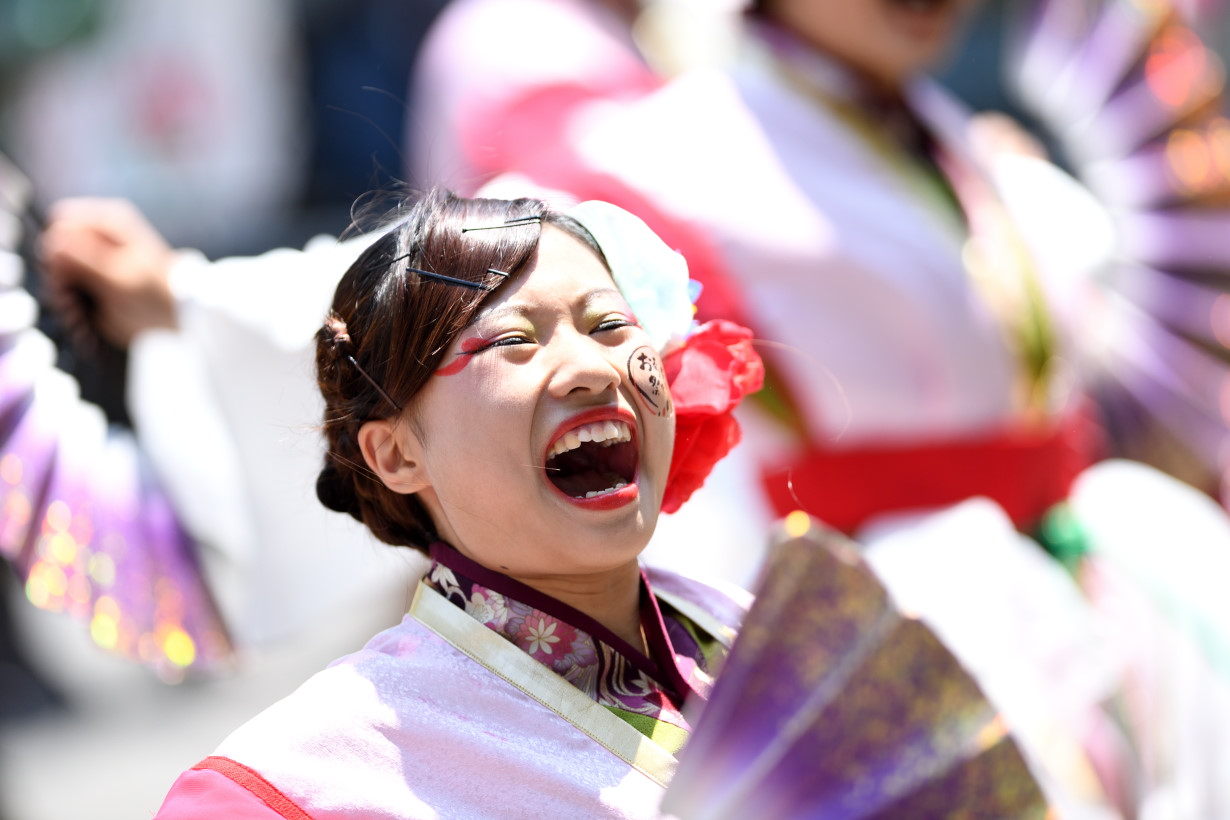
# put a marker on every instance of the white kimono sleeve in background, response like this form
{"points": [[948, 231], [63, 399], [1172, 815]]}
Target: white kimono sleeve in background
{"points": [[228, 410]]}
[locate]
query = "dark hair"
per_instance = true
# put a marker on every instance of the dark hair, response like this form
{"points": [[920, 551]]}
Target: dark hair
{"points": [[389, 327]]}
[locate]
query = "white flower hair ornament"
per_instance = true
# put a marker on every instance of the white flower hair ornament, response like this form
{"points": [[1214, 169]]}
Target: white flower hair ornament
{"points": [[709, 368], [652, 277]]}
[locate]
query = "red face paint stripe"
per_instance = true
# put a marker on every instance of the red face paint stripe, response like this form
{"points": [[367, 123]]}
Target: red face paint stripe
{"points": [[468, 348], [257, 785]]}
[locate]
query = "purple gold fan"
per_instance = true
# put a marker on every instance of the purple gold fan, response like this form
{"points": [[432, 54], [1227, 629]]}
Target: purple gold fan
{"points": [[1137, 101], [109, 550], [834, 704], [82, 518], [32, 423]]}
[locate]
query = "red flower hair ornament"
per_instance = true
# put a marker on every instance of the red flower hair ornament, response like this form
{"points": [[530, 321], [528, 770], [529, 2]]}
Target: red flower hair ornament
{"points": [[709, 368], [708, 377]]}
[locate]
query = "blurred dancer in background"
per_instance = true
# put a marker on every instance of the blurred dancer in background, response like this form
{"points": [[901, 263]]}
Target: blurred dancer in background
{"points": [[495, 74], [892, 348], [914, 272]]}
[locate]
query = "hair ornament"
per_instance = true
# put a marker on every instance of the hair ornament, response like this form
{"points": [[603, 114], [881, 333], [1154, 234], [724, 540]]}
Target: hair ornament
{"points": [[439, 277], [339, 334], [497, 272], [507, 223], [338, 331], [373, 382], [652, 277], [451, 280]]}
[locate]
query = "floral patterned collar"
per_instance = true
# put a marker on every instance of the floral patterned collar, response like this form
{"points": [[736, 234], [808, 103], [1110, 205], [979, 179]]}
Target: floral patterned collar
{"points": [[575, 646]]}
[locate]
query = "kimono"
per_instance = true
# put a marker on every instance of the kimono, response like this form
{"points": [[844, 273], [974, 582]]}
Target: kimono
{"points": [[483, 702]]}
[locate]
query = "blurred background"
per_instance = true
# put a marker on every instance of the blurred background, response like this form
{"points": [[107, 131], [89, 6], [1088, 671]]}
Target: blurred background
{"points": [[236, 127], [239, 127]]}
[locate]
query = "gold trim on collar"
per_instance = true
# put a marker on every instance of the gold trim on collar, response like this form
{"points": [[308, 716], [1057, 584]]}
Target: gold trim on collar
{"points": [[698, 615], [504, 659]]}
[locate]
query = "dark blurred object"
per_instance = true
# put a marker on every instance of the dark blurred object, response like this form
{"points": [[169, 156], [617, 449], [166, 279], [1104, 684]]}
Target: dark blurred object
{"points": [[101, 370], [975, 73], [30, 27], [23, 693], [360, 54]]}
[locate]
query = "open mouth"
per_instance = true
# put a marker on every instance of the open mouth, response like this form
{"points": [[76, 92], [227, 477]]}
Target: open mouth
{"points": [[593, 459]]}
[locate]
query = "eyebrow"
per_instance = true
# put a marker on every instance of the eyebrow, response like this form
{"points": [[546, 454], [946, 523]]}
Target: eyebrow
{"points": [[520, 309]]}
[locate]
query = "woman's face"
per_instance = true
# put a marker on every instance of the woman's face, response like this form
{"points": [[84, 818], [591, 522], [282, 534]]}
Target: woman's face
{"points": [[546, 435], [889, 40]]}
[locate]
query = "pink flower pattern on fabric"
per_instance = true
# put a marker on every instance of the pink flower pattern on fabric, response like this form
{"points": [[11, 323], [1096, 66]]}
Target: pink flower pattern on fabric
{"points": [[540, 636], [488, 607]]}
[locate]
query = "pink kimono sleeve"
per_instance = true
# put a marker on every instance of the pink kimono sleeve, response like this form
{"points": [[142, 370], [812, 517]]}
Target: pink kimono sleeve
{"points": [[220, 787]]}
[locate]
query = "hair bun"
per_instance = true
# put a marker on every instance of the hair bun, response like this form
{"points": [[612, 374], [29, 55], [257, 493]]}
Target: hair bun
{"points": [[336, 491]]}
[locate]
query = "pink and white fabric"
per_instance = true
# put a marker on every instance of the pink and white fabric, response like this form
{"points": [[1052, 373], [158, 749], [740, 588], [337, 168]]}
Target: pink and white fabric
{"points": [[440, 716], [500, 79]]}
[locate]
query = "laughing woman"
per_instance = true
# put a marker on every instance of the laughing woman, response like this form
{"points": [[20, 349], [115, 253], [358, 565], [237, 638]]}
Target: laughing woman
{"points": [[495, 376]]}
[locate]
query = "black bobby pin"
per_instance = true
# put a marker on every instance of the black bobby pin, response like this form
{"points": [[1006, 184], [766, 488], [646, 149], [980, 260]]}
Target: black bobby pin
{"points": [[497, 272], [449, 280], [373, 383], [507, 223]]}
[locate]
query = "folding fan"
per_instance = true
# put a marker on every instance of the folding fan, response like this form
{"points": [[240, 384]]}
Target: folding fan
{"points": [[1136, 102], [82, 518], [833, 704]]}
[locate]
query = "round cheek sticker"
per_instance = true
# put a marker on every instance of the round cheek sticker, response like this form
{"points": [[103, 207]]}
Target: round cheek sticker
{"points": [[645, 373]]}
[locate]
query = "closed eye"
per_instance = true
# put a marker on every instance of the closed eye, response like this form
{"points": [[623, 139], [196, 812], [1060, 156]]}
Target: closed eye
{"points": [[472, 347], [507, 341], [614, 323]]}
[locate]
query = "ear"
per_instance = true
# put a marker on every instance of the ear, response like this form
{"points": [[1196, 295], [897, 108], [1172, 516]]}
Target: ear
{"points": [[394, 453]]}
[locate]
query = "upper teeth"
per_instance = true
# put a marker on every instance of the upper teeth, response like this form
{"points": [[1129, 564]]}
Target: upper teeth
{"points": [[599, 432]]}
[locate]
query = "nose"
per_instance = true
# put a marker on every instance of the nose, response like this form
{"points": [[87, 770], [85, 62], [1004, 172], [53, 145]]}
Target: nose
{"points": [[582, 365]]}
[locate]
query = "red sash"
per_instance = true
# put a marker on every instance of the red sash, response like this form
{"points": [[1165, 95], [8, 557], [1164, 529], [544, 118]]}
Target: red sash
{"points": [[1025, 471]]}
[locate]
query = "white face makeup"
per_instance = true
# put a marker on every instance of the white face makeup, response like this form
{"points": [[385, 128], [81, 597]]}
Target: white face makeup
{"points": [[542, 453], [888, 40]]}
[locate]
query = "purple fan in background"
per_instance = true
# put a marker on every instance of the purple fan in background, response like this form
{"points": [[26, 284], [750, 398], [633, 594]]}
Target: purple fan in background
{"points": [[833, 704], [1137, 102], [82, 518]]}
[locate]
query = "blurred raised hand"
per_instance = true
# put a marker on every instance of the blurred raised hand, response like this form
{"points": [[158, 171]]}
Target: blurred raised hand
{"points": [[106, 270]]}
